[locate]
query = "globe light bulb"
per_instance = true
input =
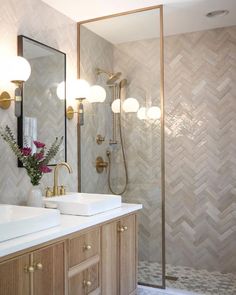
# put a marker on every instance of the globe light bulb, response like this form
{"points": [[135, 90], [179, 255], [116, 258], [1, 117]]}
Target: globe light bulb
{"points": [[81, 89], [141, 114], [17, 68], [131, 105], [96, 94], [154, 113], [115, 106], [61, 90]]}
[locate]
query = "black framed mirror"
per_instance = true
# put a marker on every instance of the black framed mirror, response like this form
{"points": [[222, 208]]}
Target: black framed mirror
{"points": [[43, 105]]}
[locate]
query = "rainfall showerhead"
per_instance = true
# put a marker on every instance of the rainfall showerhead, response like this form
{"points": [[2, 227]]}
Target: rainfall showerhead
{"points": [[112, 77]]}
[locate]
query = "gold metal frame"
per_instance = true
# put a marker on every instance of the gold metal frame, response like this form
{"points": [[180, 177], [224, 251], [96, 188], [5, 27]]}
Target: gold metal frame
{"points": [[162, 121]]}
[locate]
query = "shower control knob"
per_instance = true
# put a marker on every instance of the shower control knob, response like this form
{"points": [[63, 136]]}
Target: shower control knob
{"points": [[100, 139]]}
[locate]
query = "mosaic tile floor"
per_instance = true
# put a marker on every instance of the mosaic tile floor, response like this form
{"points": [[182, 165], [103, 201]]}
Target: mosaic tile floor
{"points": [[190, 281]]}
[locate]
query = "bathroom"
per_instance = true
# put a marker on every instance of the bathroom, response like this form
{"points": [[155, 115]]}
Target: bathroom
{"points": [[176, 162]]}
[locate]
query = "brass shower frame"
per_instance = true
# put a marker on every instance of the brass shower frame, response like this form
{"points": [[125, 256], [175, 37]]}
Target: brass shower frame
{"points": [[162, 121]]}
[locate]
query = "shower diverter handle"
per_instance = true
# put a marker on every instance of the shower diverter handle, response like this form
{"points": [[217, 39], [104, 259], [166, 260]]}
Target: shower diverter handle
{"points": [[101, 165]]}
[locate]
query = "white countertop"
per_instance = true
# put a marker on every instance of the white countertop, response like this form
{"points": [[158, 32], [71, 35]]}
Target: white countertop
{"points": [[69, 224]]}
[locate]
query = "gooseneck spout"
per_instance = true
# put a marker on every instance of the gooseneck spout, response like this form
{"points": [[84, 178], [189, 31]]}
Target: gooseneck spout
{"points": [[56, 172]]}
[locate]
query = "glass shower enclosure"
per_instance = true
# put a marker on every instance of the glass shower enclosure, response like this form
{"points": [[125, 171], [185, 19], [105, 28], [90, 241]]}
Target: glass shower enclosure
{"points": [[124, 54]]}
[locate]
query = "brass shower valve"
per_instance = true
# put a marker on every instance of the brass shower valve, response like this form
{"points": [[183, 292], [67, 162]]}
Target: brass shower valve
{"points": [[101, 165]]}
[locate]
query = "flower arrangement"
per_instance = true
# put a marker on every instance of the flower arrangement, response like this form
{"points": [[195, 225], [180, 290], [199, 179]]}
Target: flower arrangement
{"points": [[36, 164]]}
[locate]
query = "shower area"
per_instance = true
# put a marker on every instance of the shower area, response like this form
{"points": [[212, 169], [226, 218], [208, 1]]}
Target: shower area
{"points": [[187, 235]]}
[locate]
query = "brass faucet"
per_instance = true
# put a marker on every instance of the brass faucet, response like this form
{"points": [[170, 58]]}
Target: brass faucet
{"points": [[56, 170]]}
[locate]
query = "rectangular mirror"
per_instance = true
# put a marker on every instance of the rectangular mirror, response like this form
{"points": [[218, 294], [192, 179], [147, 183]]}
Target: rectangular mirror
{"points": [[43, 108]]}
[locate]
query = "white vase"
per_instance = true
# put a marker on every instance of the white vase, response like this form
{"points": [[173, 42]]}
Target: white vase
{"points": [[35, 197]]}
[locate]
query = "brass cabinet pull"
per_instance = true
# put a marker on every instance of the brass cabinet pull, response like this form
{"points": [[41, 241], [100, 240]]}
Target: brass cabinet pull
{"points": [[39, 266], [87, 283], [121, 229], [29, 269], [87, 247]]}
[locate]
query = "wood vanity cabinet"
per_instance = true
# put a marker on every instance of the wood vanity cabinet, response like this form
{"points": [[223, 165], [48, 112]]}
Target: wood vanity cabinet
{"points": [[97, 261], [40, 273]]}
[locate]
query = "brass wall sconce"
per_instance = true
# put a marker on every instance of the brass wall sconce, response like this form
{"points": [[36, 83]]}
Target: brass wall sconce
{"points": [[81, 91], [19, 72], [70, 112]]}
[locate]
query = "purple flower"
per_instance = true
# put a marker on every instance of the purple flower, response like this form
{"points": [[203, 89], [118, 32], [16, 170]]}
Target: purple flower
{"points": [[39, 156], [26, 151], [45, 169], [39, 144]]}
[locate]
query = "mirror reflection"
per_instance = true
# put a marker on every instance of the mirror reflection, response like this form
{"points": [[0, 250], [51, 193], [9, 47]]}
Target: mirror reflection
{"points": [[43, 116]]}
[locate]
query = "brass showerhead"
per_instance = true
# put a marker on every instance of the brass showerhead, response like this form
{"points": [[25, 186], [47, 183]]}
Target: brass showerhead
{"points": [[112, 77]]}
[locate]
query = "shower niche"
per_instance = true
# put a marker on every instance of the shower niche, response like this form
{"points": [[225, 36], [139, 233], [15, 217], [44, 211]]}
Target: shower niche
{"points": [[124, 55]]}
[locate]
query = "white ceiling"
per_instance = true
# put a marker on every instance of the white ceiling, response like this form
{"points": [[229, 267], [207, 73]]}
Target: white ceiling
{"points": [[180, 16]]}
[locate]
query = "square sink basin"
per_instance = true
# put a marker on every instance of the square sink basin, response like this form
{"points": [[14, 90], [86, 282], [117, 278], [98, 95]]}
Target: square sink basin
{"points": [[83, 204], [16, 221]]}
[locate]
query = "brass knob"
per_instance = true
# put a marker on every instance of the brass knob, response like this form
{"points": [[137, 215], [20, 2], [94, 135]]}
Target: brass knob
{"points": [[29, 269], [100, 139], [87, 247], [87, 283], [121, 229], [39, 266], [125, 228]]}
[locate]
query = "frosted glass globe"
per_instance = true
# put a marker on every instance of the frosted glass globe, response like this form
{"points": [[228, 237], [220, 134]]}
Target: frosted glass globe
{"points": [[61, 90], [115, 106], [81, 89], [96, 94], [141, 114], [154, 113], [131, 105], [17, 69]]}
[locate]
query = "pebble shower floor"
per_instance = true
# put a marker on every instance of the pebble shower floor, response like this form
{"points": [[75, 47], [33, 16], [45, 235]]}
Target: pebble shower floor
{"points": [[190, 280]]}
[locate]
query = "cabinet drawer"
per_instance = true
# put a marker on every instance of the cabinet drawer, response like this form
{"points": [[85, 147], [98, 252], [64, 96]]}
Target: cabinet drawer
{"points": [[84, 247], [85, 282]]}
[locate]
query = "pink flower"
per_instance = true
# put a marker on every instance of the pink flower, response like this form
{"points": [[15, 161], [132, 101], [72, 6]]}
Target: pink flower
{"points": [[39, 144], [45, 169], [26, 151], [39, 156]]}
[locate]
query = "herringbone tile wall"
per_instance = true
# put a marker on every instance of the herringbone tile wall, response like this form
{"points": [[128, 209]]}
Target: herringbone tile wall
{"points": [[200, 76], [46, 73], [37, 20], [200, 83], [95, 52]]}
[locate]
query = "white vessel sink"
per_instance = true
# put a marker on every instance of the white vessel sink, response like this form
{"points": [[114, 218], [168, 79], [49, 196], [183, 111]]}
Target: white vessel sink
{"points": [[83, 204], [17, 221]]}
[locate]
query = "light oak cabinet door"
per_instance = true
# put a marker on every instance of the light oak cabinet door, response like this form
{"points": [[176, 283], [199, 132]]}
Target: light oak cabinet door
{"points": [[109, 259], [119, 260], [49, 274], [14, 278], [127, 255]]}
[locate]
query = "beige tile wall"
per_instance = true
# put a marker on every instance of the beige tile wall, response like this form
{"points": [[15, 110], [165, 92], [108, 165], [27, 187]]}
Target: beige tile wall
{"points": [[200, 81]]}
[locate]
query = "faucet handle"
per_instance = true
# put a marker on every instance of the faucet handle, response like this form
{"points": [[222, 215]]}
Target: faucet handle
{"points": [[62, 190], [49, 192]]}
